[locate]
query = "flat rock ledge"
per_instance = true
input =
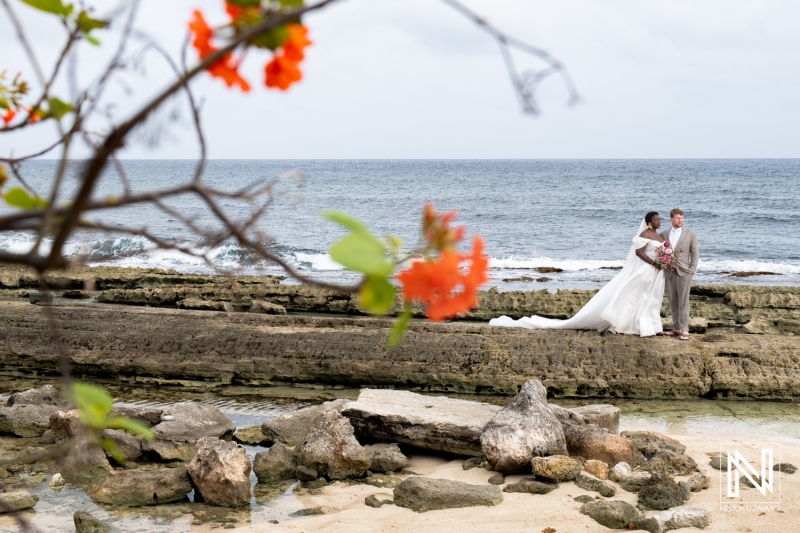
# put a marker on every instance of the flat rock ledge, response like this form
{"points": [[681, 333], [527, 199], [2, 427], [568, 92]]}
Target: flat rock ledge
{"points": [[257, 349], [435, 423]]}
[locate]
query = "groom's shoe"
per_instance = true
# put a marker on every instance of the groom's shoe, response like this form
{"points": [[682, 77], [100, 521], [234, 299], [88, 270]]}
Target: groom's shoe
{"points": [[684, 336], [673, 333]]}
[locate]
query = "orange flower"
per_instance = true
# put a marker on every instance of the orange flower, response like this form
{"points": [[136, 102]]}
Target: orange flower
{"points": [[437, 229], [433, 282], [226, 68], [281, 72], [9, 116], [202, 35], [234, 11], [295, 44]]}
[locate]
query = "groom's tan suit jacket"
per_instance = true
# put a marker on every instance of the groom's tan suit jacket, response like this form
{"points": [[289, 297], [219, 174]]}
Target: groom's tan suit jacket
{"points": [[688, 251]]}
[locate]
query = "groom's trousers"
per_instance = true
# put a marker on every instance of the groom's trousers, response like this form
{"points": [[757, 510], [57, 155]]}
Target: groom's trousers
{"points": [[678, 294]]}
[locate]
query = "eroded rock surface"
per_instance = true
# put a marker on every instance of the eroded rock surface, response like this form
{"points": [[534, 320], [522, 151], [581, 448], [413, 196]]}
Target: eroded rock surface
{"points": [[331, 449], [612, 514], [556, 468], [291, 428], [675, 518], [221, 472], [275, 464], [385, 457], [136, 488], [182, 425], [523, 429], [589, 441]]}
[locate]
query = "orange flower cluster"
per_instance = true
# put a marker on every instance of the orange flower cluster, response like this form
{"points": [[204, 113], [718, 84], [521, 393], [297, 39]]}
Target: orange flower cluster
{"points": [[437, 229], [226, 68], [284, 68], [434, 282], [35, 116]]}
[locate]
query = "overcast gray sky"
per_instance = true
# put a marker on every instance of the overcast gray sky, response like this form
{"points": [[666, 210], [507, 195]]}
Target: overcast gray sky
{"points": [[414, 79]]}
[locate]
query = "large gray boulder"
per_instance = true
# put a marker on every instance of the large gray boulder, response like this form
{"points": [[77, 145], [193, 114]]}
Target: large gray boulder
{"points": [[275, 464], [136, 488], [47, 395], [431, 422], [385, 457], [26, 420], [523, 429], [424, 494], [675, 518], [182, 425], [612, 514], [331, 449], [291, 428], [16, 501], [587, 440], [221, 472]]}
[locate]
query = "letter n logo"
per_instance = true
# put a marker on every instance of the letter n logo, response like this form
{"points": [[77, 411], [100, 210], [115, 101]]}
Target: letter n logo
{"points": [[738, 466]]}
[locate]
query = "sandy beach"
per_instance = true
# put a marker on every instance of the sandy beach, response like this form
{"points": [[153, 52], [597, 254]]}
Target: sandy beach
{"points": [[345, 509]]}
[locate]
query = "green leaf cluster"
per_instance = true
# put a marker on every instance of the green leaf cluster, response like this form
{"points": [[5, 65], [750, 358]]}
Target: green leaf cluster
{"points": [[363, 252], [95, 404], [56, 7], [83, 21]]}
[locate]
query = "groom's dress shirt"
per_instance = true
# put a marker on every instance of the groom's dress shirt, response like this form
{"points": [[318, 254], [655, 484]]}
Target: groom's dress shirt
{"points": [[675, 236]]}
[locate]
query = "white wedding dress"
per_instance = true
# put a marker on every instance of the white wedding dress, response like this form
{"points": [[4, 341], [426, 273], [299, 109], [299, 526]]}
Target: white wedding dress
{"points": [[630, 303]]}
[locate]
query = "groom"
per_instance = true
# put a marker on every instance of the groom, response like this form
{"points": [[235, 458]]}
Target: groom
{"points": [[678, 282]]}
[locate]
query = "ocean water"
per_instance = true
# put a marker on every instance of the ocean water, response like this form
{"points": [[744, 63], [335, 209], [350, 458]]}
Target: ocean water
{"points": [[574, 215]]}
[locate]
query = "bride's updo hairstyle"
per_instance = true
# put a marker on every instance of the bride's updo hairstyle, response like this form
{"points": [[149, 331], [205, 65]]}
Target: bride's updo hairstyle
{"points": [[649, 216]]}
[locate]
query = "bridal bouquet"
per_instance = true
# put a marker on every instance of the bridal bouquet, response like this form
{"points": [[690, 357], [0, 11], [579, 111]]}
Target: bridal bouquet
{"points": [[667, 256]]}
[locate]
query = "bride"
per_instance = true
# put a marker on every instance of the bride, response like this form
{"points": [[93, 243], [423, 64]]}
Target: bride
{"points": [[630, 303]]}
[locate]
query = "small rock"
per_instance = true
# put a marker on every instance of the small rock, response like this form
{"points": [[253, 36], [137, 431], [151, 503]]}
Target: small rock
{"points": [[675, 518], [719, 461], [135, 488], [589, 482], [385, 457], [634, 481], [556, 468], [275, 464], [698, 482], [251, 435], [424, 494], [497, 479], [598, 469], [86, 523], [660, 493], [16, 501], [221, 472], [57, 481], [373, 501], [670, 463], [46, 395], [308, 512], [305, 473], [472, 462], [267, 308], [786, 468], [316, 484], [612, 514], [619, 471], [583, 498], [530, 486], [383, 482]]}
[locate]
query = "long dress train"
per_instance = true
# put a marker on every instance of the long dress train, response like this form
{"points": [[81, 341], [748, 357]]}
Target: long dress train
{"points": [[630, 303]]}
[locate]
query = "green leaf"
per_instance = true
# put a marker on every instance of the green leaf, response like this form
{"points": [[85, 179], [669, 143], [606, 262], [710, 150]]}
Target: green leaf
{"points": [[109, 446], [132, 426], [58, 107], [87, 23], [272, 39], [399, 328], [291, 3], [92, 40], [48, 6], [377, 295], [245, 3], [3, 103], [19, 197], [362, 253], [94, 404]]}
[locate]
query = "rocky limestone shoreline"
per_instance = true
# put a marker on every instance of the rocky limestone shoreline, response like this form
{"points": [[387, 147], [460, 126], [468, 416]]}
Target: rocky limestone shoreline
{"points": [[356, 443], [757, 309]]}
